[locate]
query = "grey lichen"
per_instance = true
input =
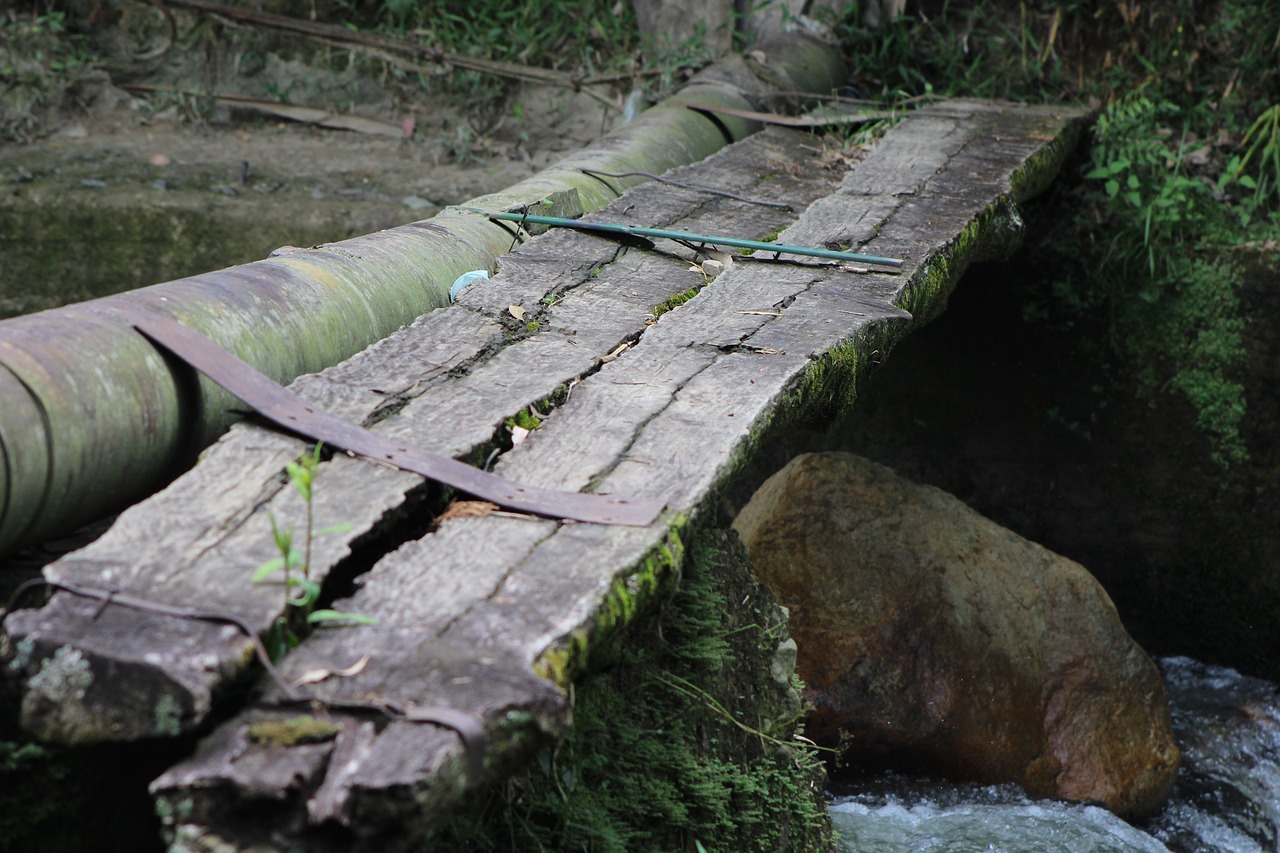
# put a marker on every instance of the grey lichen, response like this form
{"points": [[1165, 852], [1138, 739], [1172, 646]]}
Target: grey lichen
{"points": [[64, 677], [168, 716], [23, 653]]}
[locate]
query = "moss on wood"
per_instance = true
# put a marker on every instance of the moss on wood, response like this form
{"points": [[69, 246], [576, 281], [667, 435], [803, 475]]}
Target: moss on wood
{"points": [[675, 301], [292, 732], [688, 739]]}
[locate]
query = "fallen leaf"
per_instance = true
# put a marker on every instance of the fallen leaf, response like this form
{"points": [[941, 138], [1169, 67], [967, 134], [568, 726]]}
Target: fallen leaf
{"points": [[315, 676], [466, 509], [516, 311], [617, 352]]}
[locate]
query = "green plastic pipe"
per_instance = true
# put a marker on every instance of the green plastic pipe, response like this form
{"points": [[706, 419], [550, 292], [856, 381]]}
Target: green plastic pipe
{"points": [[689, 237]]}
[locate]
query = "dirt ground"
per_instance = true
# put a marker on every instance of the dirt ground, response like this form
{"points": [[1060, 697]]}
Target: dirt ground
{"points": [[205, 182], [118, 186], [119, 138]]}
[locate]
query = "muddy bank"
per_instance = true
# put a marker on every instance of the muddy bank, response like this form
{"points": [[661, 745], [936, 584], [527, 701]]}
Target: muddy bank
{"points": [[112, 200]]}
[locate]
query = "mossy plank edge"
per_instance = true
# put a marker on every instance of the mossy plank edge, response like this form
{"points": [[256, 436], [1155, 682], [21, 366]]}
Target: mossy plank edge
{"points": [[291, 315], [563, 594], [674, 693]]}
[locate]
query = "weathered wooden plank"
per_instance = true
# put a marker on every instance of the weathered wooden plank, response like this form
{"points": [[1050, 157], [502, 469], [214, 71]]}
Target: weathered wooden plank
{"points": [[115, 411], [472, 614], [446, 384], [467, 614]]}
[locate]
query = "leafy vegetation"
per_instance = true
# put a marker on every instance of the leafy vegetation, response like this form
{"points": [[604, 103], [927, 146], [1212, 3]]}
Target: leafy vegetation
{"points": [[1184, 168], [39, 63], [596, 40], [668, 751]]}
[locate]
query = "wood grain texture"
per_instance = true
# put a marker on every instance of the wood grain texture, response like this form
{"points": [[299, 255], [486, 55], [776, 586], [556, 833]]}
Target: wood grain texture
{"points": [[496, 616], [446, 384]]}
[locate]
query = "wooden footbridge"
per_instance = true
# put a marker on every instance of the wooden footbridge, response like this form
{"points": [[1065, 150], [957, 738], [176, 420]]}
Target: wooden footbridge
{"points": [[562, 375]]}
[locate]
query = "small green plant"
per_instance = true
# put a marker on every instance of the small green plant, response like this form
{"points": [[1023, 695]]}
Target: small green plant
{"points": [[300, 592], [1263, 142], [1150, 194]]}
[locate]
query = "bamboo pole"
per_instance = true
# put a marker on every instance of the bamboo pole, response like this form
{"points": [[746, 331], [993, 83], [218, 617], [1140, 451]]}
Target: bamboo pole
{"points": [[93, 417]]}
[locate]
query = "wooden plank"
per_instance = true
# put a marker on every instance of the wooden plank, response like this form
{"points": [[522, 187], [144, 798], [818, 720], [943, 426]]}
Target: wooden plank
{"points": [[115, 411], [446, 384], [469, 614], [495, 616]]}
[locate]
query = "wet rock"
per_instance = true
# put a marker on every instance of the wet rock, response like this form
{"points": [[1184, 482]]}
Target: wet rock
{"points": [[933, 640]]}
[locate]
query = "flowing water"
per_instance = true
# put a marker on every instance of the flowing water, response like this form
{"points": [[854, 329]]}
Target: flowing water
{"points": [[1226, 799]]}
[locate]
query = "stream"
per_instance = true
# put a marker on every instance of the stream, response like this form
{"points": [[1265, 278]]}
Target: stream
{"points": [[1226, 799]]}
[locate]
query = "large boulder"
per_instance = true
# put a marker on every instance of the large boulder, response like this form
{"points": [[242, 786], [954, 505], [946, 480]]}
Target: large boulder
{"points": [[933, 640]]}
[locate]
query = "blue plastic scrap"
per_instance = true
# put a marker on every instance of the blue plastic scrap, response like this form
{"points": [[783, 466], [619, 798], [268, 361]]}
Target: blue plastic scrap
{"points": [[465, 279]]}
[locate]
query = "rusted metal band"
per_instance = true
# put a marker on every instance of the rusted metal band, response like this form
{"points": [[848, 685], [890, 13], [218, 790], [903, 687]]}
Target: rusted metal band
{"points": [[282, 407]]}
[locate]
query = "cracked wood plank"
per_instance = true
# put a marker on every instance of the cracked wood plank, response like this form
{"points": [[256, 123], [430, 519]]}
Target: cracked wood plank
{"points": [[447, 384], [481, 609]]}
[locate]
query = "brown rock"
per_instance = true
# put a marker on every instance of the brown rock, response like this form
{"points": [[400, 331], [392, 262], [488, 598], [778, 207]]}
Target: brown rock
{"points": [[936, 641]]}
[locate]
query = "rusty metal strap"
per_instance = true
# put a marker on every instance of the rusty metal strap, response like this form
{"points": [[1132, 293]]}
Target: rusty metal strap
{"points": [[287, 410]]}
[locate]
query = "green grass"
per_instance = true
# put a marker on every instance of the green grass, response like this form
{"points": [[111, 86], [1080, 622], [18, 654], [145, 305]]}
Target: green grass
{"points": [[588, 39]]}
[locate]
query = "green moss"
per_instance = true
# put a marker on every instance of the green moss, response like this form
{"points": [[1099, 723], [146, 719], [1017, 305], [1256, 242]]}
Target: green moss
{"points": [[59, 799], [1142, 259], [525, 419], [1043, 167], [686, 742], [675, 301], [33, 808], [566, 660], [292, 732], [1196, 326], [994, 234]]}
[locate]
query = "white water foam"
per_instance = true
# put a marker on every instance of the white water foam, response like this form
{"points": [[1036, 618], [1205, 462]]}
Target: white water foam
{"points": [[1226, 799]]}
